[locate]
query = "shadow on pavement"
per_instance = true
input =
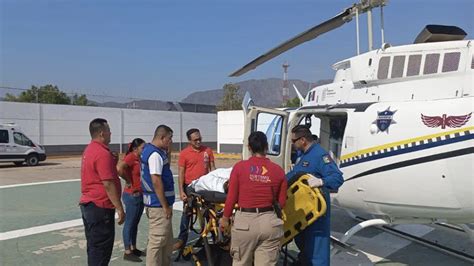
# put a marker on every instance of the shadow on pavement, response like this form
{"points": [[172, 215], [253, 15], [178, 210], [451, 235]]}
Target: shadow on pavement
{"points": [[12, 165]]}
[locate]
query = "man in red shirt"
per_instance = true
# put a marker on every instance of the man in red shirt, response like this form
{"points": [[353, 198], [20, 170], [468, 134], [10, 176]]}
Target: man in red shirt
{"points": [[194, 161], [100, 194]]}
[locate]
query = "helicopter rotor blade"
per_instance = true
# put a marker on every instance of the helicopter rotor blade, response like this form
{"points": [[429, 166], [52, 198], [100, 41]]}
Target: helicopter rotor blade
{"points": [[311, 34]]}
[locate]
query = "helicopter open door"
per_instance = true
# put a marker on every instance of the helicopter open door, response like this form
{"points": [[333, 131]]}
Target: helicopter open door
{"points": [[328, 127], [271, 122]]}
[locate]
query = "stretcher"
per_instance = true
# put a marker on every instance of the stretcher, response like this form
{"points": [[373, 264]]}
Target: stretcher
{"points": [[303, 207], [205, 208]]}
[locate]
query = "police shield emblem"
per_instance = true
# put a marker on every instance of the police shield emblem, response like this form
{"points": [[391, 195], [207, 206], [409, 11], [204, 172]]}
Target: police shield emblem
{"points": [[384, 120]]}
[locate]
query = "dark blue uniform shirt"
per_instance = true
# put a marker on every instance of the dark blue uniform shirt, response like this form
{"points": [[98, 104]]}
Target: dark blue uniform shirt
{"points": [[314, 241], [316, 161]]}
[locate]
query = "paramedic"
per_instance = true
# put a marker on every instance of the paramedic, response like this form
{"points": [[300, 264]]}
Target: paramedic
{"points": [[255, 185], [314, 241], [158, 196], [194, 161]]}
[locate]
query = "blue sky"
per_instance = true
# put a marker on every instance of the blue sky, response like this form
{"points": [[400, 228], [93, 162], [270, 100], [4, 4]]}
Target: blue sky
{"points": [[168, 49]]}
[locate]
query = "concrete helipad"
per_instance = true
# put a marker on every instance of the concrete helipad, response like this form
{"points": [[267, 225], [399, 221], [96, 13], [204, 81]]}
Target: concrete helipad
{"points": [[40, 225]]}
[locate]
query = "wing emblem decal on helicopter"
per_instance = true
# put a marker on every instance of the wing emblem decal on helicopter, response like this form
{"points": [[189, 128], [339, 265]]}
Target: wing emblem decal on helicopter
{"points": [[444, 121], [384, 120]]}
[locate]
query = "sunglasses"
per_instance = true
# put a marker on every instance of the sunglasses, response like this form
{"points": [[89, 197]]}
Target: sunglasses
{"points": [[295, 140]]}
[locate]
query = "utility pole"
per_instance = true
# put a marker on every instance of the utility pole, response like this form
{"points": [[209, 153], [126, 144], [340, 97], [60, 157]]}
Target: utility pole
{"points": [[286, 89]]}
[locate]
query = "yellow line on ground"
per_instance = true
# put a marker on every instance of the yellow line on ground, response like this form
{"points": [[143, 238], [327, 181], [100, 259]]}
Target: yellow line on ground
{"points": [[228, 155]]}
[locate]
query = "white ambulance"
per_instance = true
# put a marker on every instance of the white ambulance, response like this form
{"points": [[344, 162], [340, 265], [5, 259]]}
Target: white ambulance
{"points": [[16, 147]]}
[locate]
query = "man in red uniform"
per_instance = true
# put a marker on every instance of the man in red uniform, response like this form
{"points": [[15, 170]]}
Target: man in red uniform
{"points": [[194, 161], [255, 185], [100, 194]]}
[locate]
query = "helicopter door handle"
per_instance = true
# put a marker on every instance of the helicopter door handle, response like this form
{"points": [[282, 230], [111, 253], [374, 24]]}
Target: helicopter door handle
{"points": [[360, 189]]}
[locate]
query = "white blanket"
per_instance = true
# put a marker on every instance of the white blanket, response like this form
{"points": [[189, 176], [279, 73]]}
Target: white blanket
{"points": [[213, 181]]}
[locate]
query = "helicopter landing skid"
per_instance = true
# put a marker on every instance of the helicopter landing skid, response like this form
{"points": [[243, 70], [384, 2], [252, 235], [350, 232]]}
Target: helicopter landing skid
{"points": [[356, 228]]}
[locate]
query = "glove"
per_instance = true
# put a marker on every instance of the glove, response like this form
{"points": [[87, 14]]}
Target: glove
{"points": [[314, 181]]}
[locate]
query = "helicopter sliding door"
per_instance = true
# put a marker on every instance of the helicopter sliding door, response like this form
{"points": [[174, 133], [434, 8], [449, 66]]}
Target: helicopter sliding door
{"points": [[271, 122]]}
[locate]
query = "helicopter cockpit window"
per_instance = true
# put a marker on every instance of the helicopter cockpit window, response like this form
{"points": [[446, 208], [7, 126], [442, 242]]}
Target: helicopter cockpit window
{"points": [[431, 64], [271, 125], [384, 63], [398, 66], [451, 61], [414, 62]]}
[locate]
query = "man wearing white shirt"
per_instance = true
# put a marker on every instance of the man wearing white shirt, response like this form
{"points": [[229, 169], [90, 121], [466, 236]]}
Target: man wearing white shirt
{"points": [[158, 196]]}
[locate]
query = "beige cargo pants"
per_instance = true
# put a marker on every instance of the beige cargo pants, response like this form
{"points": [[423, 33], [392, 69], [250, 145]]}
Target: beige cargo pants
{"points": [[160, 238], [255, 238]]}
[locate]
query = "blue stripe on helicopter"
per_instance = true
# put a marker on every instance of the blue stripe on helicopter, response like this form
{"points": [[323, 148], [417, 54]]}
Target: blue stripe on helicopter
{"points": [[402, 149]]}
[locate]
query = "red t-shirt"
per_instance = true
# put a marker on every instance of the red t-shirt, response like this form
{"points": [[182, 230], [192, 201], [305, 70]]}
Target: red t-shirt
{"points": [[195, 163], [251, 184], [133, 170], [98, 165]]}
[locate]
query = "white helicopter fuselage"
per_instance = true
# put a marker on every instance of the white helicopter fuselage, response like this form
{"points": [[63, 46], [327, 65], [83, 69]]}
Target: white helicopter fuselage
{"points": [[396, 120], [407, 147]]}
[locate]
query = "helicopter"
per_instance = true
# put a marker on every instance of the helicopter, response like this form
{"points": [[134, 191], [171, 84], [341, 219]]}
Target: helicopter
{"points": [[397, 120]]}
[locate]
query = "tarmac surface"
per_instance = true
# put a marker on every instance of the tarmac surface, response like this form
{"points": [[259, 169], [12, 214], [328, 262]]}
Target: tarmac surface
{"points": [[41, 224]]}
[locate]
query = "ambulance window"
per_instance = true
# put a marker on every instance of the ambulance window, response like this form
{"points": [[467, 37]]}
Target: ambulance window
{"points": [[414, 62], [271, 125], [21, 139], [451, 61], [4, 136], [384, 63], [398, 66], [431, 64]]}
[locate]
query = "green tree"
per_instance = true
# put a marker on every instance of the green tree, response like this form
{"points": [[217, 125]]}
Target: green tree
{"points": [[231, 99], [80, 100], [295, 102], [46, 94], [10, 98]]}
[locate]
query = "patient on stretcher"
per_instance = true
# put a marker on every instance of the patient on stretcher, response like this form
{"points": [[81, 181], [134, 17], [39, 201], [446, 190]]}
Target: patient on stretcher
{"points": [[216, 181]]}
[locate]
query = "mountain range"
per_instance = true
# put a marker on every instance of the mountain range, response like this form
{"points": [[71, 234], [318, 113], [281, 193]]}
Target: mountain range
{"points": [[264, 92]]}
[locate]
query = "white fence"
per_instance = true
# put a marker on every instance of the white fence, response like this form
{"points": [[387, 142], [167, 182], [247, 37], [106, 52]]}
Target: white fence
{"points": [[230, 131], [60, 126]]}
